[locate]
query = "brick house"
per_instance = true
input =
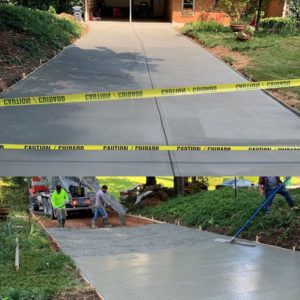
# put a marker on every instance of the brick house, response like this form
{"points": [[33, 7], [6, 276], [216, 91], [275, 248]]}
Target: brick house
{"points": [[276, 8], [175, 11], [178, 11]]}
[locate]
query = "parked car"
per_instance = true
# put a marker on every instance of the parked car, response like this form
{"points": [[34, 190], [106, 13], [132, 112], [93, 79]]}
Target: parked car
{"points": [[240, 183]]}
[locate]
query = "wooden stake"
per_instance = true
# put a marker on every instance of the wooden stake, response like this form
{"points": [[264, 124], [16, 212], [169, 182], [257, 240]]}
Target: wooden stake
{"points": [[200, 227], [257, 239], [294, 248], [17, 257]]}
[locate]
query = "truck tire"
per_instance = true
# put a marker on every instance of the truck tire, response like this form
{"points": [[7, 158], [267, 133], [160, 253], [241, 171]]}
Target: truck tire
{"points": [[35, 207]]}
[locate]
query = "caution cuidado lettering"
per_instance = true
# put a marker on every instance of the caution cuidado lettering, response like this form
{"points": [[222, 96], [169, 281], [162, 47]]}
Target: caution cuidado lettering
{"points": [[148, 93], [180, 148]]}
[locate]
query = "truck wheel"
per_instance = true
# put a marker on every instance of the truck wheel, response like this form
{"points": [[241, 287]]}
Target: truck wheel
{"points": [[36, 207]]}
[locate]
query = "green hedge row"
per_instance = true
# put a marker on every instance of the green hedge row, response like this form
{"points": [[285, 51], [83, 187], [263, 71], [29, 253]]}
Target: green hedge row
{"points": [[287, 26], [221, 209]]}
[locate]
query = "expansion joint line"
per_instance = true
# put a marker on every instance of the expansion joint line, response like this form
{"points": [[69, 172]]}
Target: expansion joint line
{"points": [[155, 98]]}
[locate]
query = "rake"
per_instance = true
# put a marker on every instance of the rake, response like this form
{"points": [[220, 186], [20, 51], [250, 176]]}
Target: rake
{"points": [[233, 240]]}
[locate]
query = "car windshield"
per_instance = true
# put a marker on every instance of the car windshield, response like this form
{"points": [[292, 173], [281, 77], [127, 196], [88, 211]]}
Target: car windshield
{"points": [[228, 182]]}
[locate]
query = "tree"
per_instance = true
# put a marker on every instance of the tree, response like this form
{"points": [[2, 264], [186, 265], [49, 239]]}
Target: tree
{"points": [[60, 6], [294, 10], [150, 180], [259, 11], [234, 8]]}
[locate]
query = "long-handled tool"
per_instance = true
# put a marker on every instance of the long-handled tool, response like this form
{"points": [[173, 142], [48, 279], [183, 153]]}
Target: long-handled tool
{"points": [[244, 226]]}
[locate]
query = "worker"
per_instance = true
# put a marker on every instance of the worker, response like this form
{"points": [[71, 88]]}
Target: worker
{"points": [[59, 198], [99, 207], [267, 185]]}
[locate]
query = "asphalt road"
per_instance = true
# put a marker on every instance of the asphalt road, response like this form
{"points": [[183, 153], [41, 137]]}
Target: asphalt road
{"points": [[115, 56], [163, 261]]}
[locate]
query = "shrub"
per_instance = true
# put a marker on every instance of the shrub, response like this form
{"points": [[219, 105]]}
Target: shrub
{"points": [[52, 10], [209, 26], [43, 26], [294, 10], [286, 26]]}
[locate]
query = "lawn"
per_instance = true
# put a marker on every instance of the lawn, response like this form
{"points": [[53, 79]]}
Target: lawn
{"points": [[43, 272], [31, 37], [271, 56], [116, 184]]}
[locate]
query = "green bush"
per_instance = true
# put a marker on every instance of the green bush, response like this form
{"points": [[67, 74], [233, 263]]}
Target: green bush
{"points": [[49, 30], [285, 26], [52, 10], [220, 209], [204, 26]]}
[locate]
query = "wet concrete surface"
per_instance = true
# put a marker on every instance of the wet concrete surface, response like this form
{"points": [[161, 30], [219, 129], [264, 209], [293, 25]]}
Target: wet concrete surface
{"points": [[163, 261], [118, 56]]}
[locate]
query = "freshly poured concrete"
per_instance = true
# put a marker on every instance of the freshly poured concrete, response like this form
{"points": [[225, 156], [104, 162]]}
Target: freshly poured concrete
{"points": [[115, 56], [163, 261]]}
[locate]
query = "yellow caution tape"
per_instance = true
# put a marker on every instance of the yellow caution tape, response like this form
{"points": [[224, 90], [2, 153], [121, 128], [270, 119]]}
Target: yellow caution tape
{"points": [[149, 93], [194, 148]]}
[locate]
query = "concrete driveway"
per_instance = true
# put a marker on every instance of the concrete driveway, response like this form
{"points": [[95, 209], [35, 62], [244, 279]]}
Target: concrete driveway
{"points": [[163, 261], [117, 55]]}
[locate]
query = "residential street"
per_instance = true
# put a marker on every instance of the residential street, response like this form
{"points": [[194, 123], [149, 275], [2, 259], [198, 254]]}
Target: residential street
{"points": [[120, 56]]}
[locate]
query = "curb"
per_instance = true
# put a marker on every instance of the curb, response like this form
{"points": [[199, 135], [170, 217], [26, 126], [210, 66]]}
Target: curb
{"points": [[147, 219]]}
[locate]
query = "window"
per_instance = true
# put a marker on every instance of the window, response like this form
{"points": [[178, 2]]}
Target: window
{"points": [[188, 7]]}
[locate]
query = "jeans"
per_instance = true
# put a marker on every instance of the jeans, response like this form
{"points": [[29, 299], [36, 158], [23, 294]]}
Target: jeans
{"points": [[61, 216], [100, 211], [283, 192]]}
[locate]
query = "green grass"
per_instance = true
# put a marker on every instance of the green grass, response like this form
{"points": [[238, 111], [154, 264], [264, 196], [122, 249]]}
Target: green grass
{"points": [[43, 26], [219, 209], [43, 272], [116, 184], [272, 56]]}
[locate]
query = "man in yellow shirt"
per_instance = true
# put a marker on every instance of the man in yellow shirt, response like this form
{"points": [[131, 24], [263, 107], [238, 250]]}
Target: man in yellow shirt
{"points": [[59, 198]]}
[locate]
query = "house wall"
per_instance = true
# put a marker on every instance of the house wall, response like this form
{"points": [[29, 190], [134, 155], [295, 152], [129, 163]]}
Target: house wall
{"points": [[275, 8], [200, 6]]}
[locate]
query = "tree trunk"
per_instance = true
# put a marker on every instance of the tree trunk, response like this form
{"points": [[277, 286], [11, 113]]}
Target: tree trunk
{"points": [[150, 181], [179, 185], [259, 9]]}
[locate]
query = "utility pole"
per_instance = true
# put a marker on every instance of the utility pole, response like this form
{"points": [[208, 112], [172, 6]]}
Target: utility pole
{"points": [[86, 13]]}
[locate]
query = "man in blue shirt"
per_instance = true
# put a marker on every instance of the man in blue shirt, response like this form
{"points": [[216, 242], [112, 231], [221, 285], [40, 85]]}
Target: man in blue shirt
{"points": [[267, 185]]}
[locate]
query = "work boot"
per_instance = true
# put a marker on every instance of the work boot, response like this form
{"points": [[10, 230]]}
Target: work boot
{"points": [[122, 221], [63, 222], [106, 224], [60, 223], [93, 226]]}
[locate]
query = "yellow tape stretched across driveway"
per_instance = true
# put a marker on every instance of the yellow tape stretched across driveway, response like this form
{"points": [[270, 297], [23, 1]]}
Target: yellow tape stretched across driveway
{"points": [[180, 148], [149, 93]]}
